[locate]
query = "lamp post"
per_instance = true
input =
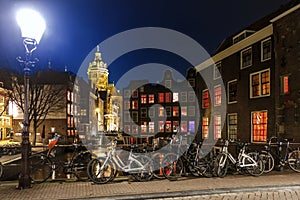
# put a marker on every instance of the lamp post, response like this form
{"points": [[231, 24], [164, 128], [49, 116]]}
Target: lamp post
{"points": [[32, 27]]}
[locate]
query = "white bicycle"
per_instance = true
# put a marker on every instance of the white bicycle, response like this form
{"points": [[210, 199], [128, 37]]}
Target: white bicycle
{"points": [[104, 169], [251, 162]]}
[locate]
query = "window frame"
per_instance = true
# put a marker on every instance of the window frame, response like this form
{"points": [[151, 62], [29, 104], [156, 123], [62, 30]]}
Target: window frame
{"points": [[229, 125], [262, 49], [259, 73], [252, 126], [241, 58], [228, 90]]}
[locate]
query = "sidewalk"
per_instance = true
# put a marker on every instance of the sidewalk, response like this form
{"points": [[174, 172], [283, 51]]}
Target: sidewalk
{"points": [[152, 189]]}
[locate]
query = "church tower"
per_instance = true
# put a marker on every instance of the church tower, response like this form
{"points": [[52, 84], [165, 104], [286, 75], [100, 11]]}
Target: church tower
{"points": [[98, 72]]}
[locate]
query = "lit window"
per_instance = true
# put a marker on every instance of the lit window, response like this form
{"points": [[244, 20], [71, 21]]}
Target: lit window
{"points": [[175, 126], [259, 126], [135, 104], [218, 95], [183, 126], [217, 70], [205, 99], [192, 126], [151, 98], [151, 127], [168, 126], [127, 105], [168, 97], [246, 58], [161, 111], [175, 97], [205, 127], [175, 111], [161, 126], [161, 97], [144, 127], [232, 126], [284, 84], [183, 111], [266, 50], [143, 99], [232, 91], [260, 83], [217, 127]]}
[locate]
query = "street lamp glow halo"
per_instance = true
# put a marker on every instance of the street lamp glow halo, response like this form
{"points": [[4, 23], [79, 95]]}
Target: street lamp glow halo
{"points": [[31, 23]]}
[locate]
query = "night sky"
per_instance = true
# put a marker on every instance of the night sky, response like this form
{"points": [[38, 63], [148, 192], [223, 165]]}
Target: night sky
{"points": [[75, 27]]}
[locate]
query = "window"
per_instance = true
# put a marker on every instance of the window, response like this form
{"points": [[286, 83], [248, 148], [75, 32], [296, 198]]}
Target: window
{"points": [[144, 112], [144, 127], [246, 58], [183, 111], [135, 116], [151, 98], [127, 116], [217, 70], [232, 126], [161, 111], [143, 99], [183, 126], [175, 111], [169, 111], [127, 105], [260, 84], [135, 94], [127, 128], [266, 50], [205, 127], [151, 112], [192, 126], [168, 97], [175, 126], [161, 126], [232, 91], [134, 104], [217, 127], [151, 127], [191, 111], [175, 97], [135, 129], [183, 96], [168, 84], [161, 97], [259, 126], [168, 126], [205, 99], [83, 112], [127, 93], [218, 95], [191, 96], [284, 84]]}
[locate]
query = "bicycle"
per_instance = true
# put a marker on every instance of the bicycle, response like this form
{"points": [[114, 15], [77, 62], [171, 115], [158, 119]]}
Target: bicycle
{"points": [[290, 157], [175, 164], [43, 166], [103, 169], [251, 162]]}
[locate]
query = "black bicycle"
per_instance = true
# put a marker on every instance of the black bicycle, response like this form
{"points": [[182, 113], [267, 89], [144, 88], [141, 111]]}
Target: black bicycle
{"points": [[43, 166]]}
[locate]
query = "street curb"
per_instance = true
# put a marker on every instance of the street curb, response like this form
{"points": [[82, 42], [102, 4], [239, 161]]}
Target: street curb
{"points": [[193, 193]]}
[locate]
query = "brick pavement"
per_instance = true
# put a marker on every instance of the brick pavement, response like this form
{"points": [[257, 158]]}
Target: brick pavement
{"points": [[156, 188]]}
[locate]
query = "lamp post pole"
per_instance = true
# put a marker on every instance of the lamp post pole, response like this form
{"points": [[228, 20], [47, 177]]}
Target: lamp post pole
{"points": [[32, 27]]}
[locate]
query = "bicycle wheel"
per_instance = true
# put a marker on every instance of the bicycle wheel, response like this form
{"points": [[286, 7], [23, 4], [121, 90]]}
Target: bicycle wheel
{"points": [[294, 160], [257, 169], [40, 168], [172, 167], [157, 166], [221, 165], [144, 174], [79, 165], [268, 160], [100, 170]]}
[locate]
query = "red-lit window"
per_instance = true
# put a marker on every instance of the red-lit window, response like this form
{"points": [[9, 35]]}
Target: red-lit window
{"points": [[218, 96], [205, 99], [168, 126], [175, 111], [259, 126], [217, 127], [135, 94], [205, 127], [168, 97], [161, 97], [135, 104], [151, 98], [143, 99], [285, 89]]}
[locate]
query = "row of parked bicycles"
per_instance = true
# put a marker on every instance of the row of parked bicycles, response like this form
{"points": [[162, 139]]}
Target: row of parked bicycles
{"points": [[173, 161]]}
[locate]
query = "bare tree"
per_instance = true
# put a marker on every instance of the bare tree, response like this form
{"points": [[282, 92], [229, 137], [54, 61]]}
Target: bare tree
{"points": [[43, 99]]}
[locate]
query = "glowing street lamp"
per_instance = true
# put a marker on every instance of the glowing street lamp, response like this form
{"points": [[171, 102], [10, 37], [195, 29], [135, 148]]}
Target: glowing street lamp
{"points": [[32, 27]]}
